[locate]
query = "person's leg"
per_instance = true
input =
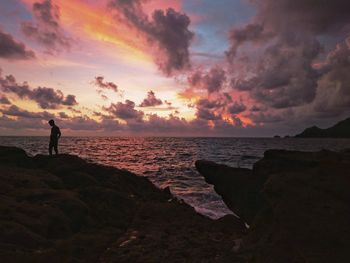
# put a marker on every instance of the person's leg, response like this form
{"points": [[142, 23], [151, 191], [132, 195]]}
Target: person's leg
{"points": [[50, 148], [56, 147]]}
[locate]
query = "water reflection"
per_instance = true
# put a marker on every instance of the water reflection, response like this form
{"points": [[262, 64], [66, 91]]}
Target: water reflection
{"points": [[170, 161]]}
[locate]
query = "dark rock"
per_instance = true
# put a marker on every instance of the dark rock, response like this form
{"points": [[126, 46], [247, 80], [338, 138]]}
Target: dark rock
{"points": [[64, 209], [304, 212], [238, 187], [12, 155]]}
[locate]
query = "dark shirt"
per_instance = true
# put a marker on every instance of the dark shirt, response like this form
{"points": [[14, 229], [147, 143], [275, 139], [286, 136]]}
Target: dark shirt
{"points": [[55, 133]]}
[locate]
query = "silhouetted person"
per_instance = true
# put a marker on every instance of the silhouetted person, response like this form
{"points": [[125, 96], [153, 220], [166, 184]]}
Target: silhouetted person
{"points": [[54, 136]]}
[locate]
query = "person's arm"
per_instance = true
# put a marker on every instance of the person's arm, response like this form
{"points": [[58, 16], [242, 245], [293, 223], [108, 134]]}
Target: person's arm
{"points": [[58, 133]]}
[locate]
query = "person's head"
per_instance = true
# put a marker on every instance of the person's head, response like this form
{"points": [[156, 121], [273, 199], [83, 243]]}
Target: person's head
{"points": [[51, 122]]}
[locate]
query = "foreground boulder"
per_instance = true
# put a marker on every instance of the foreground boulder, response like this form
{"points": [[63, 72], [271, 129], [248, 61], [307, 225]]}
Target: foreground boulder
{"points": [[241, 192], [64, 209], [297, 205]]}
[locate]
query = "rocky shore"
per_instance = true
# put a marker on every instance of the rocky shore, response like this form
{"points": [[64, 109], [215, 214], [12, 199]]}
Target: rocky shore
{"points": [[64, 209], [296, 203]]}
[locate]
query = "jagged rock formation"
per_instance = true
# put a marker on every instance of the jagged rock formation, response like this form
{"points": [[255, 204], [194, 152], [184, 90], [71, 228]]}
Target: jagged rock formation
{"points": [[297, 204], [64, 209]]}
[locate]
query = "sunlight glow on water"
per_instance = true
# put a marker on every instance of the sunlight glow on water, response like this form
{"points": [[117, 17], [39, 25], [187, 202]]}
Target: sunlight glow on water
{"points": [[170, 161]]}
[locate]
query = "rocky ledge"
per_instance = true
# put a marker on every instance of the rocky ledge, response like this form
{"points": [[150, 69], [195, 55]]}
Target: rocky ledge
{"points": [[296, 203], [65, 209]]}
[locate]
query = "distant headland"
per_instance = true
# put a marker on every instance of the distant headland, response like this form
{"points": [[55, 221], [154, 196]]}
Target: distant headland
{"points": [[339, 130]]}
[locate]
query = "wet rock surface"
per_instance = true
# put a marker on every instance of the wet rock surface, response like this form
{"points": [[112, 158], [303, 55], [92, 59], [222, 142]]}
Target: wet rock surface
{"points": [[297, 205], [64, 209]]}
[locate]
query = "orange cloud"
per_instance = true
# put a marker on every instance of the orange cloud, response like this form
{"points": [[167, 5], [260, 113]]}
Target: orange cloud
{"points": [[245, 120], [95, 22]]}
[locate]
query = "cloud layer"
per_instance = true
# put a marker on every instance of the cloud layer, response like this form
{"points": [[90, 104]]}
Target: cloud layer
{"points": [[290, 60], [286, 67], [46, 98], [13, 50], [151, 100], [46, 29], [101, 84], [167, 30]]}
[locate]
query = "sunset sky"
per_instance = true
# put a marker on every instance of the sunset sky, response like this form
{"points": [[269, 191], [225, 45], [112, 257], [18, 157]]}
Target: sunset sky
{"points": [[173, 67]]}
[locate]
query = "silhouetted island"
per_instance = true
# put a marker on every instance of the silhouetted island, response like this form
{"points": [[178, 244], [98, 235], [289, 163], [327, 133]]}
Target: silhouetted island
{"points": [[339, 130]]}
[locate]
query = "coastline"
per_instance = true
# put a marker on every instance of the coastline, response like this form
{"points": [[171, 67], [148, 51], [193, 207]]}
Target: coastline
{"points": [[65, 209], [170, 162], [296, 203]]}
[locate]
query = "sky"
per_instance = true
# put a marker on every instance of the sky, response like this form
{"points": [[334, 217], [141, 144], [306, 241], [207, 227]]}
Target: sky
{"points": [[240, 68]]}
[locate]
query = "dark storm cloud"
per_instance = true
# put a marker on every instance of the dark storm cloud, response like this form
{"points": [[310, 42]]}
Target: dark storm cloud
{"points": [[151, 100], [209, 109], [207, 114], [69, 100], [46, 29], [212, 81], [316, 16], [217, 107], [286, 76], [195, 79], [170, 29], [125, 111], [256, 108], [166, 29], [100, 83], [238, 36], [237, 107], [278, 19], [47, 13], [289, 38], [13, 50], [210, 104], [46, 98], [333, 96], [171, 124]]}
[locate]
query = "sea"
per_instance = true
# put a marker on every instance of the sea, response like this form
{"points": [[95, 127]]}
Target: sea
{"points": [[169, 162]]}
